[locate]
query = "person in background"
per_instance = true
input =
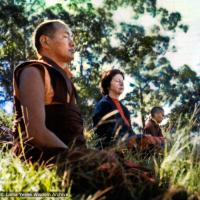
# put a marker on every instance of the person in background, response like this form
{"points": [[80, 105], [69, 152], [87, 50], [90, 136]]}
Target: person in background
{"points": [[111, 119], [152, 126]]}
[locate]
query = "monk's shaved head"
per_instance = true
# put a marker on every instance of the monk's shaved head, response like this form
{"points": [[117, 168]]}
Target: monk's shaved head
{"points": [[48, 28]]}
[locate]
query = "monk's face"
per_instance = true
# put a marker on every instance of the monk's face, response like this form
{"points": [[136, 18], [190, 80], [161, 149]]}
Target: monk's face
{"points": [[117, 84], [159, 116], [61, 44]]}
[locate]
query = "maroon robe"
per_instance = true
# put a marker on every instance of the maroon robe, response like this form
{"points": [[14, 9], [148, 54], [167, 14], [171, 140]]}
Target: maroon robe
{"points": [[152, 128], [63, 116]]}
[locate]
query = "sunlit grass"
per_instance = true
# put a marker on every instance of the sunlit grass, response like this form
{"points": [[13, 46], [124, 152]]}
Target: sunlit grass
{"points": [[18, 176], [181, 163], [178, 167]]}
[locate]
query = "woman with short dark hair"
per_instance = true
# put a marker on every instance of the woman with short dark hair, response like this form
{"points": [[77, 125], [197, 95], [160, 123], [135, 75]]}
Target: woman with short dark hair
{"points": [[111, 118], [106, 79]]}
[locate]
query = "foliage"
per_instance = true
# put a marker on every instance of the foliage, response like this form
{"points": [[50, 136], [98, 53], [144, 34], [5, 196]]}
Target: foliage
{"points": [[139, 52], [17, 176], [15, 39], [5, 119], [187, 102], [178, 167], [181, 160]]}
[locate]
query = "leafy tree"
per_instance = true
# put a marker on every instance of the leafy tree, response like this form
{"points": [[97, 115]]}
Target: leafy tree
{"points": [[15, 39], [187, 101], [141, 55]]}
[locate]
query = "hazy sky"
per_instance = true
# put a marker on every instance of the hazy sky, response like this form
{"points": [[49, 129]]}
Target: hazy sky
{"points": [[188, 44]]}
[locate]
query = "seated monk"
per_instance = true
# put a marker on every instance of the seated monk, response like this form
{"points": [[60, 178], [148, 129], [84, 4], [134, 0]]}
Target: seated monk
{"points": [[152, 128], [152, 125], [111, 119], [47, 117]]}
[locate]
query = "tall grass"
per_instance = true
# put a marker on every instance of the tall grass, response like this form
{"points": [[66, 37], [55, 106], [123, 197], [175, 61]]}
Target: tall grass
{"points": [[179, 167], [181, 163], [18, 176]]}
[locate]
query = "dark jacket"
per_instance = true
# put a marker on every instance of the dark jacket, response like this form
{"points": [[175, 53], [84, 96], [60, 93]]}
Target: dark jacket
{"points": [[112, 129], [152, 128]]}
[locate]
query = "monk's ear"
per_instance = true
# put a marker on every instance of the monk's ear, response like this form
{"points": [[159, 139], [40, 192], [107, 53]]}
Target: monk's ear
{"points": [[44, 41]]}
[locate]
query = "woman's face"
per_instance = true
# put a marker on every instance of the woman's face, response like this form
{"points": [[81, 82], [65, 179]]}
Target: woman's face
{"points": [[117, 84]]}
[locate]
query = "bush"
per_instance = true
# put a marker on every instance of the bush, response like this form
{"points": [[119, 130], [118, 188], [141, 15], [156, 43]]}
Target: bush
{"points": [[5, 119]]}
